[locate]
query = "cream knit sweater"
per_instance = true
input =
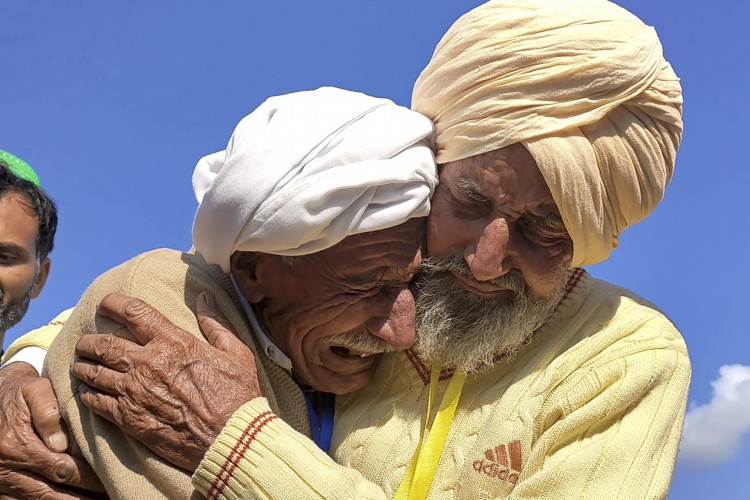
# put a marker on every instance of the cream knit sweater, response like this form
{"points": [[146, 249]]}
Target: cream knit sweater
{"points": [[592, 408]]}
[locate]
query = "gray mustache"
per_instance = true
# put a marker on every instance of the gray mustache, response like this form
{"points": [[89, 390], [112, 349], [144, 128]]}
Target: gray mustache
{"points": [[432, 266], [362, 341]]}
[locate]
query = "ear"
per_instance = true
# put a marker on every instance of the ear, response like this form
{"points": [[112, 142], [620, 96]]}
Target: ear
{"points": [[41, 279], [244, 269]]}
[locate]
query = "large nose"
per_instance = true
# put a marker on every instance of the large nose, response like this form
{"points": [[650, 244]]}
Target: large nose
{"points": [[488, 256], [394, 321]]}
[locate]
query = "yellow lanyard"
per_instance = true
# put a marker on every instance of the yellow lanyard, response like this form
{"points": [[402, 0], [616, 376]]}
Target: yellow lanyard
{"points": [[418, 478]]}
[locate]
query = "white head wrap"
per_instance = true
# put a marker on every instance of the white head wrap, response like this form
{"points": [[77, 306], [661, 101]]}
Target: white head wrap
{"points": [[583, 85], [305, 170]]}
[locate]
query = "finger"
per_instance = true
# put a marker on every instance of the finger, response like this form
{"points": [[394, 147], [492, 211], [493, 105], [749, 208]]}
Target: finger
{"points": [[111, 351], [59, 468], [103, 404], [214, 325], [22, 484], [143, 321], [18, 370], [84, 478], [98, 376], [45, 413]]}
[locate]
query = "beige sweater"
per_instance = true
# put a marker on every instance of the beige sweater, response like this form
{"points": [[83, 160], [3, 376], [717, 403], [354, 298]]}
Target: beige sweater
{"points": [[170, 281], [591, 408]]}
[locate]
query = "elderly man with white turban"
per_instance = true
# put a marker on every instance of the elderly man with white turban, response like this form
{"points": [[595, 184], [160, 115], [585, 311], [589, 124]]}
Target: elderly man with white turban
{"points": [[307, 235], [557, 126]]}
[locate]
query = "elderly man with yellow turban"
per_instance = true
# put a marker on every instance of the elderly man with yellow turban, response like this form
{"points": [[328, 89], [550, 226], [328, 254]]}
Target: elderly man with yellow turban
{"points": [[557, 126]]}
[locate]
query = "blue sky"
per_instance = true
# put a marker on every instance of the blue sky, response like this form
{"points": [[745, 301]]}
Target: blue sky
{"points": [[113, 103]]}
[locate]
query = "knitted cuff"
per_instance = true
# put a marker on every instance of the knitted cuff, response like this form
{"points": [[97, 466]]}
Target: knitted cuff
{"points": [[221, 473]]}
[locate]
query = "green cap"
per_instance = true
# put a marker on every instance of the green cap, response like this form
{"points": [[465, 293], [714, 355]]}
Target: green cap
{"points": [[19, 167]]}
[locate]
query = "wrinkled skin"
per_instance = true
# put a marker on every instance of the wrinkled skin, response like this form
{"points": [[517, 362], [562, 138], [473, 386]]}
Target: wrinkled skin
{"points": [[172, 392], [496, 212], [175, 394], [313, 308], [33, 440]]}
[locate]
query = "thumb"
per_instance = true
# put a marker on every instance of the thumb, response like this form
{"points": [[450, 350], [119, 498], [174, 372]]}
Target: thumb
{"points": [[45, 414], [214, 325]]}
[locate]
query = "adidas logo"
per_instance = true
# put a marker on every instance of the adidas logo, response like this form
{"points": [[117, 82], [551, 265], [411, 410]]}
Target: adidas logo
{"points": [[501, 463]]}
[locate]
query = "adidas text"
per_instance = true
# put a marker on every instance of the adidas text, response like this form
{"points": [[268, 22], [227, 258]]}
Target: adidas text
{"points": [[492, 469]]}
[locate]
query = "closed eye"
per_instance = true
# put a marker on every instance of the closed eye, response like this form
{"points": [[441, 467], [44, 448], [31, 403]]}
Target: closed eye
{"points": [[545, 230], [469, 190], [467, 201]]}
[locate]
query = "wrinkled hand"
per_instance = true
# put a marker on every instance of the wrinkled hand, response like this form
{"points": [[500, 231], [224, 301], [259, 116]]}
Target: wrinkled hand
{"points": [[173, 392], [33, 440]]}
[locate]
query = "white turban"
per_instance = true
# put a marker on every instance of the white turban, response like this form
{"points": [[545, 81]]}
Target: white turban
{"points": [[305, 170], [583, 85]]}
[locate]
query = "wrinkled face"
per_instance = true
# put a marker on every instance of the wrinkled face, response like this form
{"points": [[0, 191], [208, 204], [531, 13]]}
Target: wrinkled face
{"points": [[334, 312], [496, 212], [498, 257], [21, 275]]}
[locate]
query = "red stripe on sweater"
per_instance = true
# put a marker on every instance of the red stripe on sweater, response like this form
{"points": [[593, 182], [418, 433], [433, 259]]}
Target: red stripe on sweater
{"points": [[578, 273], [418, 365], [238, 452]]}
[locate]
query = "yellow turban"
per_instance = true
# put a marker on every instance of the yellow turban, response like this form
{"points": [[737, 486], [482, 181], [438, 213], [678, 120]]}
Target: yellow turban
{"points": [[583, 85]]}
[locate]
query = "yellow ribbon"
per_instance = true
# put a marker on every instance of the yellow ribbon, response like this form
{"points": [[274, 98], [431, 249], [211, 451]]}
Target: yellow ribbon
{"points": [[418, 478]]}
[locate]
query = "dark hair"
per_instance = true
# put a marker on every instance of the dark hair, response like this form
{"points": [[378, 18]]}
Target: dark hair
{"points": [[39, 202]]}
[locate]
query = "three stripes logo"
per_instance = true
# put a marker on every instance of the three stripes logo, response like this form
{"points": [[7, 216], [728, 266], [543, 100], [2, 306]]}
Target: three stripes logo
{"points": [[501, 462]]}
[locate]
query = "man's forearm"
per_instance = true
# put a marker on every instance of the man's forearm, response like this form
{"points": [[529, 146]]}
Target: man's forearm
{"points": [[258, 455]]}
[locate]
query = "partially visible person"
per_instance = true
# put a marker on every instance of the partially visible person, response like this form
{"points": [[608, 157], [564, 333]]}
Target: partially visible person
{"points": [[32, 455], [309, 229], [28, 221]]}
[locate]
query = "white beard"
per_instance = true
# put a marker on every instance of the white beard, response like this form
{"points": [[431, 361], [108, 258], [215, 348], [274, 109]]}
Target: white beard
{"points": [[467, 332]]}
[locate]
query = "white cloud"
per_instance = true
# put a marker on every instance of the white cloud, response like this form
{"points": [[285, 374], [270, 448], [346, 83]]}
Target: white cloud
{"points": [[713, 432]]}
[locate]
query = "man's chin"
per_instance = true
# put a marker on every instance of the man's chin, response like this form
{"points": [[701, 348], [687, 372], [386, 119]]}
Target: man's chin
{"points": [[12, 314], [342, 377], [342, 384]]}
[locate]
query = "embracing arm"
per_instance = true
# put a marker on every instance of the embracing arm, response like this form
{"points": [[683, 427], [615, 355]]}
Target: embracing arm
{"points": [[33, 438], [33, 441], [213, 402], [170, 391], [170, 281], [258, 455]]}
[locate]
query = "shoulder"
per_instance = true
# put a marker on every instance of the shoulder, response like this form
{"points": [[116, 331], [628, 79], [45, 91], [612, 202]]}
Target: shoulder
{"points": [[609, 326], [162, 267], [616, 346], [633, 319]]}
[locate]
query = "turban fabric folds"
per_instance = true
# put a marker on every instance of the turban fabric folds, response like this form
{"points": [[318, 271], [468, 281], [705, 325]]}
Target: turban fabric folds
{"points": [[583, 85], [305, 170]]}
